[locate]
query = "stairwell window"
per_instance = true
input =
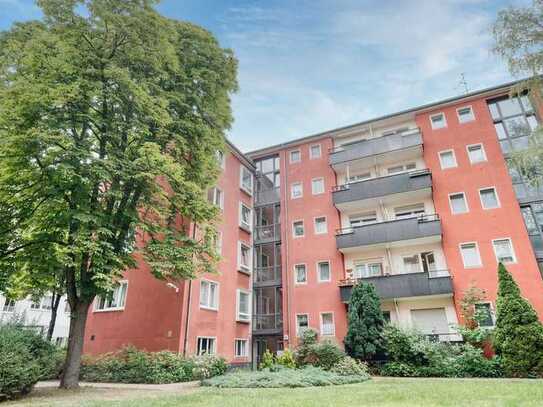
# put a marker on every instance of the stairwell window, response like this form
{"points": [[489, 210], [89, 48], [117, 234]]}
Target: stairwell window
{"points": [[503, 248], [438, 121], [476, 153], [327, 324], [300, 274], [243, 306], [206, 345], [470, 255], [302, 323], [465, 114], [114, 301], [321, 226], [209, 295], [317, 186], [241, 347], [458, 203], [323, 271], [246, 180], [447, 159], [489, 198]]}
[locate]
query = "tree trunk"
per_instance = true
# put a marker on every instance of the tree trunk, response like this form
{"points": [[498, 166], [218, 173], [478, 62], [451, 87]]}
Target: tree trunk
{"points": [[78, 320], [55, 301]]}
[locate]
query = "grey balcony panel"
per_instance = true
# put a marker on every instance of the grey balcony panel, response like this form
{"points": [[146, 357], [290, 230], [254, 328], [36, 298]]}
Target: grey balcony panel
{"points": [[268, 196], [267, 324], [379, 187], [267, 233], [376, 146], [267, 276], [387, 232], [402, 286]]}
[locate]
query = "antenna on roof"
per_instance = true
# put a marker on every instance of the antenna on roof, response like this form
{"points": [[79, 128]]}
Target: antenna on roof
{"points": [[463, 83]]}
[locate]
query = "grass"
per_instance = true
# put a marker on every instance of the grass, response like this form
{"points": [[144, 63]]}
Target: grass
{"points": [[382, 392]]}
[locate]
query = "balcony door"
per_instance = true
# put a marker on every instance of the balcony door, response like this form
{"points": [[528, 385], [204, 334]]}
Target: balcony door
{"points": [[428, 261]]}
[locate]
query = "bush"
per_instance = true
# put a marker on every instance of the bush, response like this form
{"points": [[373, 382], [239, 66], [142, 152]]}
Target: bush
{"points": [[267, 360], [287, 359], [131, 365], [323, 354], [305, 377], [25, 358], [350, 367], [398, 369]]}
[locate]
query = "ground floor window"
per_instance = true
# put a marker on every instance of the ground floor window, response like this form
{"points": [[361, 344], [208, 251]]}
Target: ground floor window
{"points": [[206, 346], [241, 348], [113, 301], [483, 313], [302, 323], [327, 323]]}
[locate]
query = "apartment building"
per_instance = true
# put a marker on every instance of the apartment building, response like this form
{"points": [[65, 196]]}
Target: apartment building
{"points": [[420, 203]]}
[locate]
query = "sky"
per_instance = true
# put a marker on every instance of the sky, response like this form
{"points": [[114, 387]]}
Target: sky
{"points": [[308, 66]]}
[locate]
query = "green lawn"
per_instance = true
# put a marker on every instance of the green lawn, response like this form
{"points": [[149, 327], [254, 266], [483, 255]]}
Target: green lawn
{"points": [[377, 392]]}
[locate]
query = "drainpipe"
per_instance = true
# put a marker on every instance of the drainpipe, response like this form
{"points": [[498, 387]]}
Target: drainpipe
{"points": [[285, 229], [189, 295]]}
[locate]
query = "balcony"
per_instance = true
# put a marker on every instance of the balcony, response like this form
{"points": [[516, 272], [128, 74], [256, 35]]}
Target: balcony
{"points": [[403, 285], [267, 233], [402, 146], [357, 195], [417, 230], [268, 196], [267, 276], [267, 324]]}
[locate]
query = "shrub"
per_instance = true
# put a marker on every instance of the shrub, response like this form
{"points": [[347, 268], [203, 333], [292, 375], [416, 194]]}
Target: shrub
{"points": [[350, 367], [131, 365], [267, 360], [287, 359], [25, 357], [404, 346], [323, 354], [398, 369], [305, 377], [518, 337]]}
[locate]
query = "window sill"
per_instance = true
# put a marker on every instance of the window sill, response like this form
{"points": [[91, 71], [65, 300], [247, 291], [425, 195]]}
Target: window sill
{"points": [[209, 308], [246, 228], [247, 191], [246, 271], [109, 309], [243, 321]]}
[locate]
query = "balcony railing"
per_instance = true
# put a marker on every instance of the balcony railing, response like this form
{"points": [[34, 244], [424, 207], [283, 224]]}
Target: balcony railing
{"points": [[389, 231], [267, 233], [267, 276], [382, 186], [267, 323], [436, 282], [268, 196], [375, 146]]}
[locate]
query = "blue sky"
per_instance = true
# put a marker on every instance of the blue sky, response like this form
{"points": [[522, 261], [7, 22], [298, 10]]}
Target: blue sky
{"points": [[307, 66]]}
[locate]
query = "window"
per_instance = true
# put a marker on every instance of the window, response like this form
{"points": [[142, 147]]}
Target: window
{"points": [[218, 243], [269, 171], [327, 324], [489, 198], [411, 264], [363, 218], [366, 269], [240, 347], [298, 228], [465, 114], [209, 295], [246, 180], [300, 274], [397, 169], [9, 305], [321, 226], [295, 156], [245, 217], [503, 248], [470, 255], [476, 153], [221, 158], [315, 151], [447, 159], [244, 306], [484, 315], [323, 269], [244, 260], [409, 211], [43, 303], [114, 301], [206, 346], [458, 203], [359, 177], [302, 323], [296, 190], [215, 196], [317, 186], [438, 121]]}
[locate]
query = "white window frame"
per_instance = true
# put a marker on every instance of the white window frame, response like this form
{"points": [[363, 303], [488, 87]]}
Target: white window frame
{"points": [[217, 291], [9, 308], [441, 163], [290, 160], [296, 282], [116, 308], [292, 190], [513, 254], [313, 186], [242, 267], [465, 201], [495, 193], [476, 266], [247, 317], [314, 157], [470, 107], [246, 226], [246, 347], [482, 151], [492, 313], [218, 243], [213, 347], [293, 229], [220, 156], [319, 271], [322, 324], [325, 225], [221, 201], [249, 190], [298, 333], [444, 120]]}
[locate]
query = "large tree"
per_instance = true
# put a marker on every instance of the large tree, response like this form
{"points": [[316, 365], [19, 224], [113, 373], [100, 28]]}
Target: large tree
{"points": [[110, 117]]}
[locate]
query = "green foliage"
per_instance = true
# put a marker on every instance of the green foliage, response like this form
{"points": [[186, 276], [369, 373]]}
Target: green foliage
{"points": [[286, 359], [323, 354], [404, 346], [268, 360], [350, 367], [25, 358], [518, 336], [131, 365], [305, 377], [364, 337]]}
